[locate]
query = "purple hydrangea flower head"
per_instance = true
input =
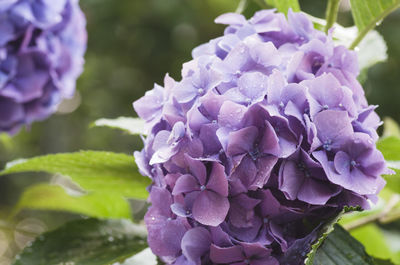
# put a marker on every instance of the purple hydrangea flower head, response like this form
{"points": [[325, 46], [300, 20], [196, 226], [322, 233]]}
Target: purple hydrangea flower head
{"points": [[267, 130], [42, 43]]}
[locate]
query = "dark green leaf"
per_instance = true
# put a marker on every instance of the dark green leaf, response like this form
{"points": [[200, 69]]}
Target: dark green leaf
{"points": [[324, 232], [54, 197], [284, 5], [368, 13], [92, 170], [85, 242], [382, 262], [341, 248]]}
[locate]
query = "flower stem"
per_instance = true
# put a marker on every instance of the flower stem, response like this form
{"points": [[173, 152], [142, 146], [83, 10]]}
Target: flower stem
{"points": [[241, 7], [378, 217], [331, 13]]}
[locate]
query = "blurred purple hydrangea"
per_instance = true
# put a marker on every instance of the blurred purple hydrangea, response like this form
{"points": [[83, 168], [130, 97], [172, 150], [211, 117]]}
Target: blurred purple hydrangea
{"points": [[42, 43], [267, 135]]}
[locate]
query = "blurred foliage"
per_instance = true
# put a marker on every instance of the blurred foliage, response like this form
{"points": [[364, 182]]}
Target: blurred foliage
{"points": [[132, 44]]}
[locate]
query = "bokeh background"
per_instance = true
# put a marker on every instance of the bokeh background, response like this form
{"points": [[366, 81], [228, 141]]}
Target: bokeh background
{"points": [[132, 44]]}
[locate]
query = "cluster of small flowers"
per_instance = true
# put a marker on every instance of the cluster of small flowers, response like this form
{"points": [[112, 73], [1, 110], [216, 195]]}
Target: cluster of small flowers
{"points": [[42, 44], [267, 135]]}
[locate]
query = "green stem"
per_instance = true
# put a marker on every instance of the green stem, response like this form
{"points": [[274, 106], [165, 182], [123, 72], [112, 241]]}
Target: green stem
{"points": [[382, 216], [241, 7], [331, 13], [372, 24]]}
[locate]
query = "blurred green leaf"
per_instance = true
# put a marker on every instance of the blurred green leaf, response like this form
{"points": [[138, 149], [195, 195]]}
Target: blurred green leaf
{"points": [[373, 240], [92, 170], [393, 181], [341, 248], [146, 257], [131, 125], [284, 5], [54, 197], [391, 128], [369, 13], [390, 148], [85, 242]]}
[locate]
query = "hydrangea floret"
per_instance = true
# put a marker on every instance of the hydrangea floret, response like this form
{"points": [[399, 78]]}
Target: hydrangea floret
{"points": [[267, 135], [42, 43]]}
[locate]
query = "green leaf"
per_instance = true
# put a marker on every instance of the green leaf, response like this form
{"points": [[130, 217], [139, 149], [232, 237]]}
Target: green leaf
{"points": [[368, 13], [390, 148], [131, 125], [85, 242], [341, 248], [284, 5], [91, 170], [54, 197]]}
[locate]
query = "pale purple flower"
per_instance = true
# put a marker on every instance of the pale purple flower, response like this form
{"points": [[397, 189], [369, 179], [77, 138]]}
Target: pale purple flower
{"points": [[42, 44], [268, 129]]}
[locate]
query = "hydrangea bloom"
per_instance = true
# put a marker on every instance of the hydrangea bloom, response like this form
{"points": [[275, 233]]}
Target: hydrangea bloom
{"points": [[42, 43], [267, 135]]}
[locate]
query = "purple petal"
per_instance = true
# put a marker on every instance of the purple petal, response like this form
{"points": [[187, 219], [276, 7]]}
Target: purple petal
{"points": [[184, 184], [197, 169], [231, 114], [230, 19], [210, 208], [316, 192], [195, 243], [241, 141], [270, 142], [217, 181], [333, 127], [226, 255]]}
